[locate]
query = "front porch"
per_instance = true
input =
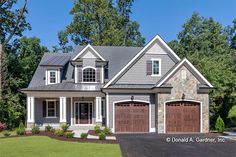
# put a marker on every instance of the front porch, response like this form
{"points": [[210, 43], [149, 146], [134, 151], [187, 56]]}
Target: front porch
{"points": [[81, 111]]}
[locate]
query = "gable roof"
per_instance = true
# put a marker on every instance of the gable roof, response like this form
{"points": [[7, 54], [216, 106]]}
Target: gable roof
{"points": [[156, 38], [185, 62], [84, 50]]}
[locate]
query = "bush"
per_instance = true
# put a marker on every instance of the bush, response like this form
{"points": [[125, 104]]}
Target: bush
{"points": [[58, 132], [48, 128], [35, 130], [97, 129], [220, 125], [65, 127], [53, 130], [6, 133], [102, 136], [21, 129], [69, 134], [21, 126], [83, 135], [3, 126], [107, 131]]}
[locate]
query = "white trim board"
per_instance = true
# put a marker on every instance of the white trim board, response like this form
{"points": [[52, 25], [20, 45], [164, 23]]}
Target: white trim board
{"points": [[88, 47], [177, 67], [135, 100], [157, 37], [183, 100]]}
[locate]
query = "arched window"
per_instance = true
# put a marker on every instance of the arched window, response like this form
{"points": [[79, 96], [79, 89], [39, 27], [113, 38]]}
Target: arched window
{"points": [[89, 75]]}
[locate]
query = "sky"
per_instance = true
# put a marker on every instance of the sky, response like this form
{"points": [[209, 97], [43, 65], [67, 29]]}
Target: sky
{"points": [[163, 17]]}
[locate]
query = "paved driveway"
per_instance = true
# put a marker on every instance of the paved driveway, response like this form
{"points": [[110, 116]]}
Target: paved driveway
{"points": [[156, 145]]}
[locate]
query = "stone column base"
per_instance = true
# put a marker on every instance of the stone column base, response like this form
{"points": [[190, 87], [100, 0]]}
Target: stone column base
{"points": [[30, 124]]}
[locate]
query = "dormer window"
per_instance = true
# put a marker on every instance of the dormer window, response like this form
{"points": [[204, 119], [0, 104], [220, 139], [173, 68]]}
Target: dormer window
{"points": [[89, 75], [52, 76]]}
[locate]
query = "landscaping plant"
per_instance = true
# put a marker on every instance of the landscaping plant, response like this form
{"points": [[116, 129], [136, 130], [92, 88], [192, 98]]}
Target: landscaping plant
{"points": [[48, 128], [102, 136], [220, 125], [84, 135], [107, 131], [3, 126], [69, 134], [52, 130], [21, 129], [58, 132], [97, 129], [35, 130], [65, 127], [6, 133]]}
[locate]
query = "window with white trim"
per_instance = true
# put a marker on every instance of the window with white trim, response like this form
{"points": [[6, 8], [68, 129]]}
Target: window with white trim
{"points": [[156, 67], [89, 75], [51, 108], [52, 76]]}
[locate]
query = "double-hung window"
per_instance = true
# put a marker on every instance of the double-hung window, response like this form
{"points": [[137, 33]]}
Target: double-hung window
{"points": [[51, 108], [156, 67]]}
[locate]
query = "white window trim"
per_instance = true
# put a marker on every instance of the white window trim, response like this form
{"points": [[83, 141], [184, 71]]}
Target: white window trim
{"points": [[159, 60], [83, 74], [55, 108], [57, 75]]}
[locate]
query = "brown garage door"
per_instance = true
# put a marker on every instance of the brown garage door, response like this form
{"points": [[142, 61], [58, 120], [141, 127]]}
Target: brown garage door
{"points": [[131, 117], [182, 116]]}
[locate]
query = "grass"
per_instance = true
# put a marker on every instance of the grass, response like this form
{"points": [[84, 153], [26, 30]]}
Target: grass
{"points": [[13, 133], [40, 146]]}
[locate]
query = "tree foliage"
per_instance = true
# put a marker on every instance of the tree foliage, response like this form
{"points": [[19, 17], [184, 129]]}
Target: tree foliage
{"points": [[205, 43], [100, 22]]}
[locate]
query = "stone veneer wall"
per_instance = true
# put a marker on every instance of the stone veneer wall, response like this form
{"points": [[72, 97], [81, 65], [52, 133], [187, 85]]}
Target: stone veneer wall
{"points": [[187, 86]]}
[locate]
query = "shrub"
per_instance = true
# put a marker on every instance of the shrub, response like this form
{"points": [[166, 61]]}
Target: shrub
{"points": [[52, 130], [21, 129], [97, 129], [6, 133], [107, 131], [21, 126], [102, 136], [48, 128], [69, 134], [35, 130], [3, 126], [220, 125], [83, 135], [58, 132], [65, 127]]}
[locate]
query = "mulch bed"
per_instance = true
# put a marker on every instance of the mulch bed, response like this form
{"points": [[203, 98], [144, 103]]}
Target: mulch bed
{"points": [[92, 132], [63, 138]]}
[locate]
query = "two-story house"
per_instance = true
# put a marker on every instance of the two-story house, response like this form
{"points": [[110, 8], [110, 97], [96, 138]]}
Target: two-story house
{"points": [[128, 89]]}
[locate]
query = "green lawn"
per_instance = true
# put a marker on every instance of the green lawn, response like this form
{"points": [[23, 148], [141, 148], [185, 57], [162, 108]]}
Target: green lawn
{"points": [[37, 146]]}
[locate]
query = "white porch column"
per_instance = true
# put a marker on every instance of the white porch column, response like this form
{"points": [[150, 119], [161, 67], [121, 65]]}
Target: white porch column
{"points": [[71, 112], [30, 111], [98, 110], [62, 109]]}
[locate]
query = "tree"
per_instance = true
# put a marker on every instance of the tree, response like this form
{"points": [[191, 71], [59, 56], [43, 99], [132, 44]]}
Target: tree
{"points": [[99, 22], [205, 43], [26, 53], [232, 115], [12, 24], [63, 42]]}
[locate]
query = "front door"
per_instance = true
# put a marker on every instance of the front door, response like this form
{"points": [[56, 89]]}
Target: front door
{"points": [[84, 113]]}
